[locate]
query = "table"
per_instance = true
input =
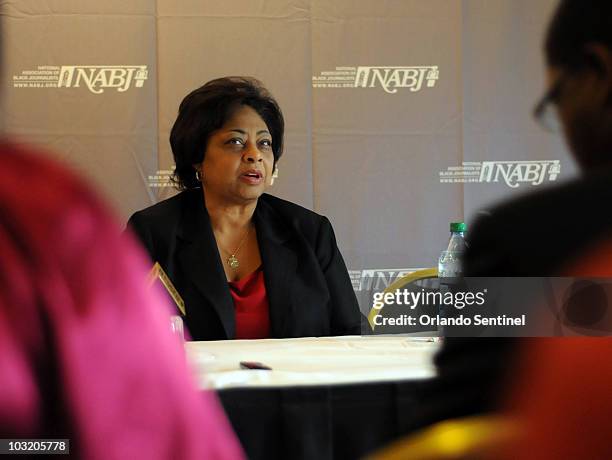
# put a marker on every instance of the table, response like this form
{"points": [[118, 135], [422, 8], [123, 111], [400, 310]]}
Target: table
{"points": [[326, 398]]}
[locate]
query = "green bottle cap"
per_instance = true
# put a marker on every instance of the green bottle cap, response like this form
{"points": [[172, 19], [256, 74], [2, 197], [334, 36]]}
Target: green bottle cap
{"points": [[457, 227]]}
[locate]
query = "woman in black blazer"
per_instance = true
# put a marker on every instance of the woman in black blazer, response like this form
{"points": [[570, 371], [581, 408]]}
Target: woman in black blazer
{"points": [[247, 264]]}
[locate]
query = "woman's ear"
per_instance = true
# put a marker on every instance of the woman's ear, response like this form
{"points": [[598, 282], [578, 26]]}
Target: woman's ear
{"points": [[198, 170]]}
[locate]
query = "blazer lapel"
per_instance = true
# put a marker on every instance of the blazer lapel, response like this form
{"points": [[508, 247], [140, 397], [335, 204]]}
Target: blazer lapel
{"points": [[201, 263], [279, 265]]}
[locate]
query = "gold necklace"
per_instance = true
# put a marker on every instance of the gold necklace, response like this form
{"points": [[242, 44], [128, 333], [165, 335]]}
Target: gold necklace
{"points": [[232, 260]]}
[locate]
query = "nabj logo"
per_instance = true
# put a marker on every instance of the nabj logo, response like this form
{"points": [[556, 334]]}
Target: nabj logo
{"points": [[512, 173], [96, 78], [389, 78], [377, 278]]}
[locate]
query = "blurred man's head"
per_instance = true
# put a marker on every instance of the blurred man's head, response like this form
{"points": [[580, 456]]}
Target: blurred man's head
{"points": [[579, 58]]}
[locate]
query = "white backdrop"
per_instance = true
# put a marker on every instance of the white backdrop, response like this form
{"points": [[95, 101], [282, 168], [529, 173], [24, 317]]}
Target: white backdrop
{"points": [[99, 83]]}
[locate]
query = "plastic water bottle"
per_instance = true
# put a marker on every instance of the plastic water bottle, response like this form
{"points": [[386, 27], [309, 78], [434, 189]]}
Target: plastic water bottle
{"points": [[450, 263], [450, 266]]}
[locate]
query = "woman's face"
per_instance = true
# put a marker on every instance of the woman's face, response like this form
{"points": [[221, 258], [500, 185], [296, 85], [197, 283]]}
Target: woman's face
{"points": [[238, 162]]}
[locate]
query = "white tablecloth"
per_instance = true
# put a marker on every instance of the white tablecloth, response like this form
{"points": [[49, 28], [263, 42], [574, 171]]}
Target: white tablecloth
{"points": [[311, 361]]}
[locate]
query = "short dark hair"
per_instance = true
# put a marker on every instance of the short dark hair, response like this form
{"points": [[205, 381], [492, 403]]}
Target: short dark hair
{"points": [[207, 109], [575, 24]]}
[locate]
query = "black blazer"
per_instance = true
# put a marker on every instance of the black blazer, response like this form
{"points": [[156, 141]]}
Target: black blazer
{"points": [[308, 287]]}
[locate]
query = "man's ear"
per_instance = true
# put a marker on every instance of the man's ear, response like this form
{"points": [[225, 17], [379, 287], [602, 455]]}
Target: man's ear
{"points": [[600, 59]]}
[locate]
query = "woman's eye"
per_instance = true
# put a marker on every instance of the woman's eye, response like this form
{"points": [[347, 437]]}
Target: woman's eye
{"points": [[266, 143], [236, 141]]}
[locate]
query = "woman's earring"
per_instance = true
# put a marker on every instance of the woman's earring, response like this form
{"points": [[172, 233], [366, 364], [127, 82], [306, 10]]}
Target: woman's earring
{"points": [[199, 175], [274, 175]]}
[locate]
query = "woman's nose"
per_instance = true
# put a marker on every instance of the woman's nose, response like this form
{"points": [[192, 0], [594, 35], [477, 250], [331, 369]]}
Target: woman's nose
{"points": [[252, 154]]}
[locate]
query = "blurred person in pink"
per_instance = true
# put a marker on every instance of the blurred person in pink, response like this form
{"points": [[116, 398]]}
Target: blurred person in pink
{"points": [[86, 351]]}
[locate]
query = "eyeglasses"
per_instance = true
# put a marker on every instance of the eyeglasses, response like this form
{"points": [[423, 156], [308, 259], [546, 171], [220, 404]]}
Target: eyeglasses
{"points": [[545, 113]]}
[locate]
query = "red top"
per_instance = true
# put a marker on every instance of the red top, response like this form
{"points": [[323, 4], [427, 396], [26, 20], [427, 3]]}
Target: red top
{"points": [[251, 306]]}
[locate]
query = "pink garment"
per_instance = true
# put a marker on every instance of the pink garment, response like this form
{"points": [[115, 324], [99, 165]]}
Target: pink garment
{"points": [[86, 351]]}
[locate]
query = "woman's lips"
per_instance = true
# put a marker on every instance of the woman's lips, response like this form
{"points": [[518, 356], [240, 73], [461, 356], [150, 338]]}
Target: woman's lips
{"points": [[252, 177]]}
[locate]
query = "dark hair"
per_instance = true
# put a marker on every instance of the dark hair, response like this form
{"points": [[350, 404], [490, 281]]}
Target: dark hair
{"points": [[577, 23], [207, 109]]}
